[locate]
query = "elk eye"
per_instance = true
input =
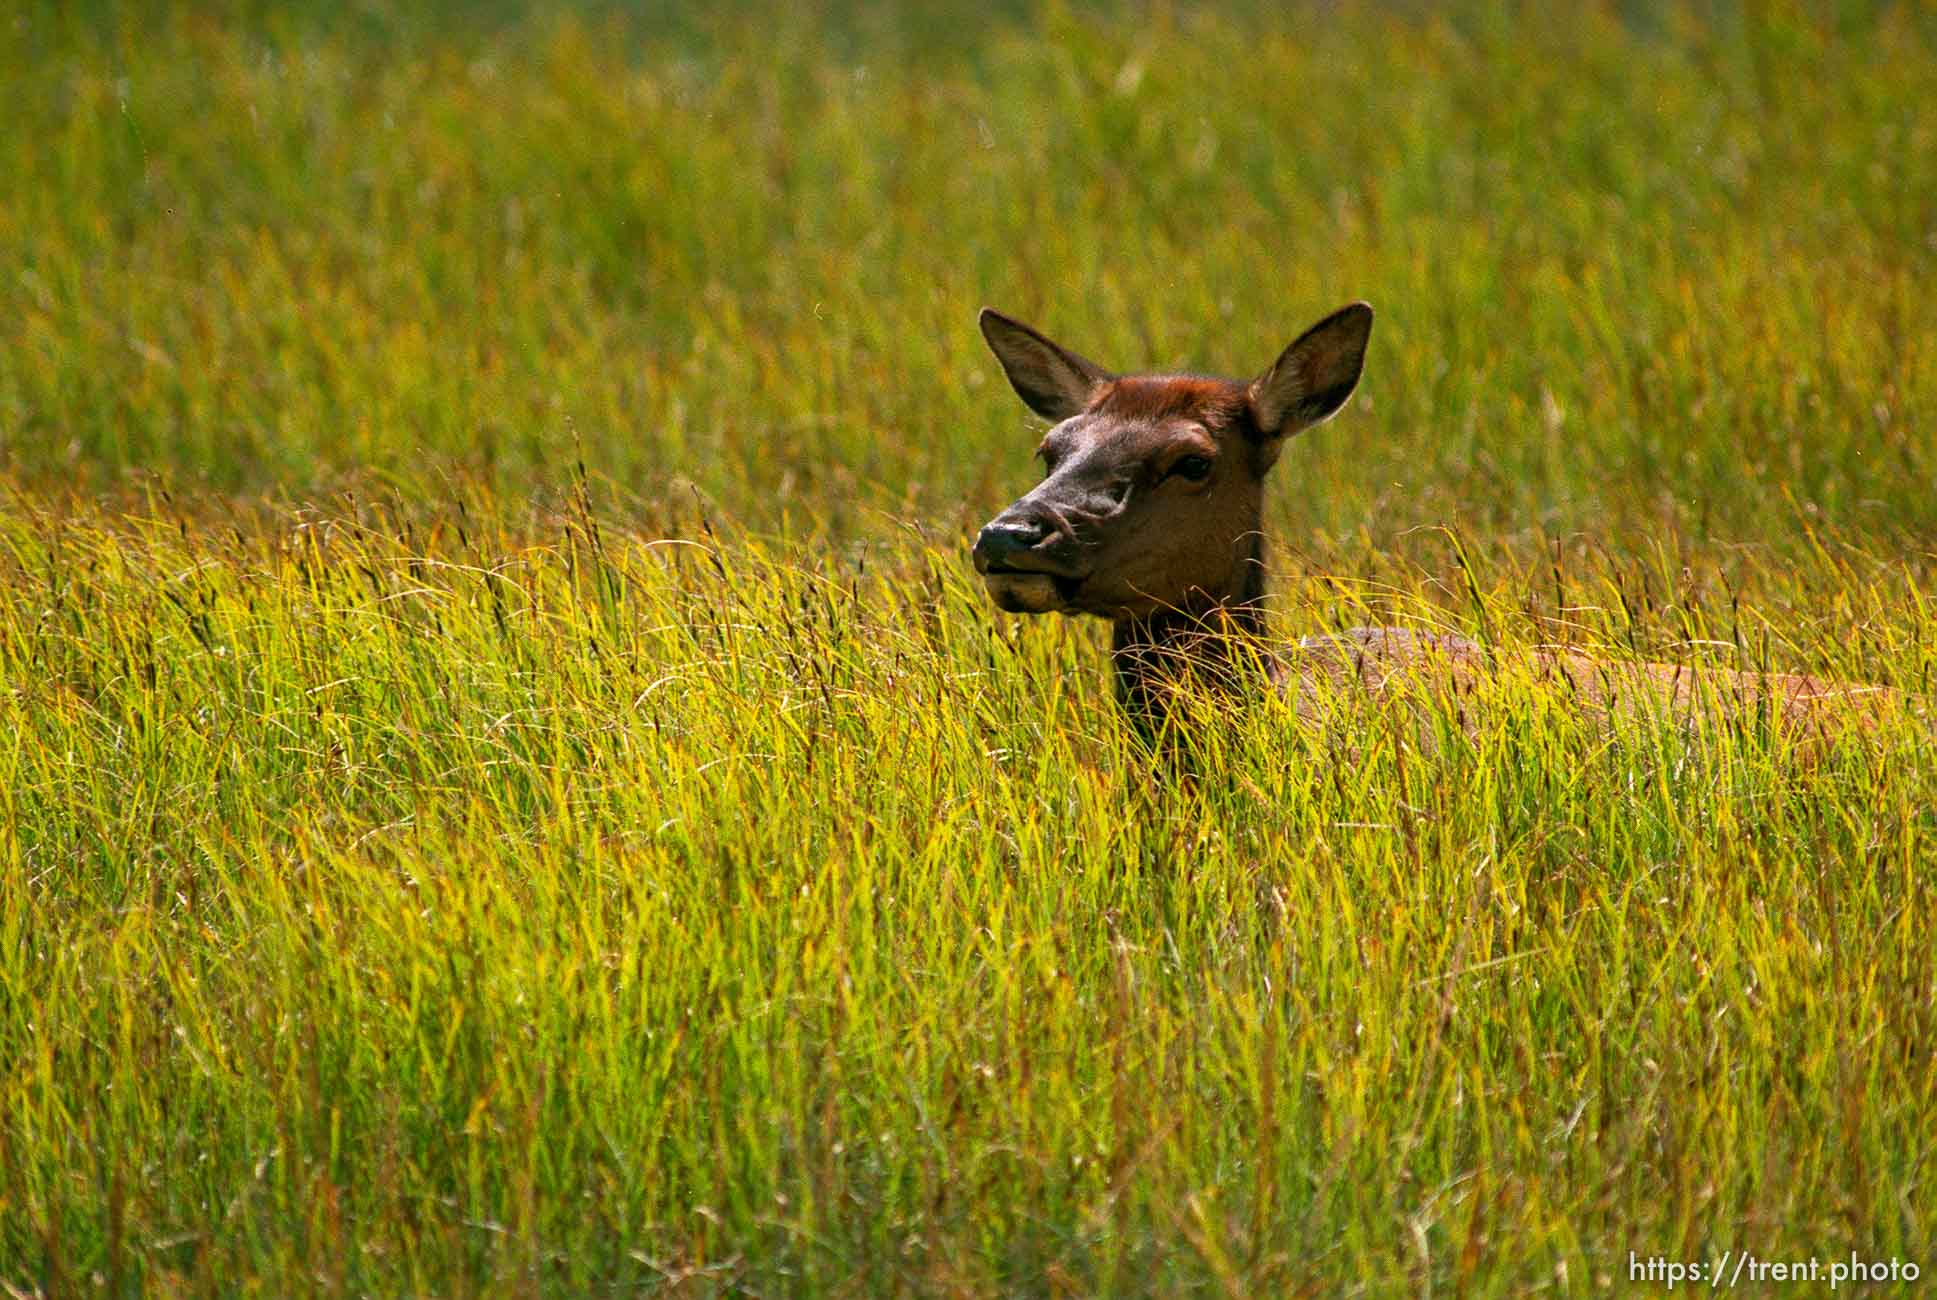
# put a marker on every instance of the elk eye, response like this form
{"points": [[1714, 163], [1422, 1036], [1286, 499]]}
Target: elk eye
{"points": [[1194, 468]]}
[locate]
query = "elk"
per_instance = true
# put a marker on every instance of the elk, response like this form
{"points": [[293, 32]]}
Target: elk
{"points": [[1148, 515]]}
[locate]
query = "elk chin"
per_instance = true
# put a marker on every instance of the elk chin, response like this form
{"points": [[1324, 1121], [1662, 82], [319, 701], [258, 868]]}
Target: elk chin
{"points": [[1024, 593]]}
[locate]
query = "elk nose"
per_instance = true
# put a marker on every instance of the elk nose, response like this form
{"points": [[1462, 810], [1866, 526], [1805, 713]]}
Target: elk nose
{"points": [[1002, 541]]}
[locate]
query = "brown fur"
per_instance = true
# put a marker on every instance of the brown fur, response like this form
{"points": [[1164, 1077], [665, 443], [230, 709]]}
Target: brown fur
{"points": [[1155, 398], [1119, 530], [1381, 659]]}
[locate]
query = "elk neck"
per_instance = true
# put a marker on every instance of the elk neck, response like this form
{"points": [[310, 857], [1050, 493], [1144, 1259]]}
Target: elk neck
{"points": [[1213, 641]]}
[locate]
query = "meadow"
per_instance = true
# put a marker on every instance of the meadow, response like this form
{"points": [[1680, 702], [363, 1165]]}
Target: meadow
{"points": [[509, 785]]}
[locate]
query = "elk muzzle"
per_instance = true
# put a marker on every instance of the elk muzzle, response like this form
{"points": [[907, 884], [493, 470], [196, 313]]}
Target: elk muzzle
{"points": [[1027, 561]]}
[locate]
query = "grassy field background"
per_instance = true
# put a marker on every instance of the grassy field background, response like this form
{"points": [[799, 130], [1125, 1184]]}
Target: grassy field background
{"points": [[508, 785]]}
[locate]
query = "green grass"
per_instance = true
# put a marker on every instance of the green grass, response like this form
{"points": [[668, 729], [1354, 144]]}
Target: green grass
{"points": [[428, 866]]}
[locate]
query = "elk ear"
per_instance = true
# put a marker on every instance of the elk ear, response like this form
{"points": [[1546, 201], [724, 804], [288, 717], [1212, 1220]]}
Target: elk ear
{"points": [[1052, 381], [1314, 376]]}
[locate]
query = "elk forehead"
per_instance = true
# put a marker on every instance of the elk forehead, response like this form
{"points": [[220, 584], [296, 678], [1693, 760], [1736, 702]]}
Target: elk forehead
{"points": [[1151, 415], [1155, 398], [1121, 439]]}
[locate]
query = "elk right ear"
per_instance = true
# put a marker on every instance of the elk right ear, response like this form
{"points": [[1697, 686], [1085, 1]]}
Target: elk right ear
{"points": [[1052, 381], [1314, 376]]}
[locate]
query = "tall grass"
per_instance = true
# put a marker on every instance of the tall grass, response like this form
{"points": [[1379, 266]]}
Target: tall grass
{"points": [[506, 783], [425, 904], [1684, 259]]}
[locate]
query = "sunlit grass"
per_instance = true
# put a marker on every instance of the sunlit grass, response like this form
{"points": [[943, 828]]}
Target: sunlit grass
{"points": [[507, 782], [432, 900], [1683, 257]]}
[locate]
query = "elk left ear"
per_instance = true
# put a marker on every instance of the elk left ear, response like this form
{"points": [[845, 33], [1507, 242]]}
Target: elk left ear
{"points": [[1313, 377], [1051, 380]]}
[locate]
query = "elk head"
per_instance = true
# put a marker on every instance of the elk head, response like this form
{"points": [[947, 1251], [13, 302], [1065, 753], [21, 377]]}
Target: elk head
{"points": [[1153, 485]]}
